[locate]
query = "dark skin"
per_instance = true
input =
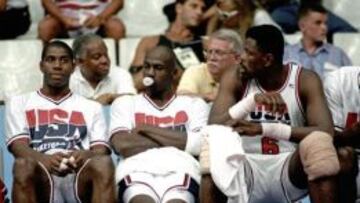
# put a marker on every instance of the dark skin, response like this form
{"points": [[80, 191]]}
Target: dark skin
{"points": [[260, 65], [57, 66]]}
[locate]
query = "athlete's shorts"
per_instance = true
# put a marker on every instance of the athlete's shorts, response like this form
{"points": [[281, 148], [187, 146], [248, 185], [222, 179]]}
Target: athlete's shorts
{"points": [[161, 188], [268, 181]]}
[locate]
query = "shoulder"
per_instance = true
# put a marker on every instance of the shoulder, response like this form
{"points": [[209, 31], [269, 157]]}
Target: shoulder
{"points": [[85, 102], [191, 101], [20, 100]]}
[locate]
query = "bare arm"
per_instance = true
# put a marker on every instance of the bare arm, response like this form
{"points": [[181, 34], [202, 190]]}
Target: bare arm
{"points": [[144, 45], [226, 97], [131, 143], [317, 113]]}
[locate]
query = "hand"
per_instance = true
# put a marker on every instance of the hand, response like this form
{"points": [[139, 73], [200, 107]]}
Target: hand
{"points": [[79, 158], [93, 21], [244, 127], [70, 23], [106, 99], [209, 97], [52, 163], [272, 101]]}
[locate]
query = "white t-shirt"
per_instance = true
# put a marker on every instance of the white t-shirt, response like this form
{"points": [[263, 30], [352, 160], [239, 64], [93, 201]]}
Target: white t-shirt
{"points": [[73, 122], [118, 81]]}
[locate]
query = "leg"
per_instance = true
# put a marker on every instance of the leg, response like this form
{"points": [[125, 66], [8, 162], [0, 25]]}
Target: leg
{"points": [[49, 28], [348, 173], [114, 28], [96, 182], [320, 190], [209, 193], [176, 201], [31, 183], [142, 199]]}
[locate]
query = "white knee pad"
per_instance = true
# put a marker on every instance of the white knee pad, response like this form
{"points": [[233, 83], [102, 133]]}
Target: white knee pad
{"points": [[318, 155]]}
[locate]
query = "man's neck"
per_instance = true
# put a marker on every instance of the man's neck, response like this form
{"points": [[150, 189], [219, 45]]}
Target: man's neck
{"points": [[178, 32], [310, 46], [278, 75], [161, 98], [55, 93], [91, 78]]}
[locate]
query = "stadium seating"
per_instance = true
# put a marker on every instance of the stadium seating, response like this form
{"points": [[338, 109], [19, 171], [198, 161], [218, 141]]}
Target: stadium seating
{"points": [[347, 9], [36, 13], [144, 17], [19, 66], [350, 43], [127, 48]]}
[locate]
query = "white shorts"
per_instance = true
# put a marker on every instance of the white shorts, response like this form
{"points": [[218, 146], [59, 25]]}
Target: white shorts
{"points": [[267, 178], [161, 188]]}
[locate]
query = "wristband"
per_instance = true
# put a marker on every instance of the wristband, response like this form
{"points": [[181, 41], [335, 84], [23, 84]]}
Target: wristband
{"points": [[243, 107], [277, 131]]}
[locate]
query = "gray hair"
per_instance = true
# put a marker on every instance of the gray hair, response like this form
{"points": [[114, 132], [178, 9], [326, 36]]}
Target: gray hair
{"points": [[81, 42], [229, 36]]}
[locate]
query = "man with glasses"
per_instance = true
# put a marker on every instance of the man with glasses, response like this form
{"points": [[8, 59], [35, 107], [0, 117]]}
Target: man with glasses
{"points": [[223, 51]]}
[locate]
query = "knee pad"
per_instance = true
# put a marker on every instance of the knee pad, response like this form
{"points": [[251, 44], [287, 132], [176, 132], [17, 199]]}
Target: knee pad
{"points": [[318, 155]]}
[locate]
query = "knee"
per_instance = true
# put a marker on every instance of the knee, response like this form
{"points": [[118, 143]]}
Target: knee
{"points": [[24, 170], [318, 155], [102, 167], [348, 160], [48, 28], [114, 28]]}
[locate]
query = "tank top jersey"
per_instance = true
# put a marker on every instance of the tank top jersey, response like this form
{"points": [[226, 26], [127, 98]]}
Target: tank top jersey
{"points": [[195, 45], [293, 116]]}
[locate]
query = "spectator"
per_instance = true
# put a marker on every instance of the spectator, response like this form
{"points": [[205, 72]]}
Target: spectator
{"points": [[155, 132], [313, 52], [285, 13], [58, 139], [74, 18], [223, 52], [238, 15], [3, 193], [14, 18], [94, 78], [179, 37]]}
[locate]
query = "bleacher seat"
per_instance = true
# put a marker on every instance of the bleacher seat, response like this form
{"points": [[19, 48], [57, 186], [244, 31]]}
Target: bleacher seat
{"points": [[347, 9], [36, 13], [19, 66], [127, 48], [293, 38], [144, 17], [110, 44], [350, 43]]}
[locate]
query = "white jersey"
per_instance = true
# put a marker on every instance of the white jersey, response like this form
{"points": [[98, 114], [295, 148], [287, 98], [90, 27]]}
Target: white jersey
{"points": [[342, 90], [181, 113], [293, 117], [72, 122]]}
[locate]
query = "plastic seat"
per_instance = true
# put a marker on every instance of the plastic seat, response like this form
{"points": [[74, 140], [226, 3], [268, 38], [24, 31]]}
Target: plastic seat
{"points": [[127, 48], [350, 43]]}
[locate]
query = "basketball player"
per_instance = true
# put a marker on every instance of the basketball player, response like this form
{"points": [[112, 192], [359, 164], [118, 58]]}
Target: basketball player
{"points": [[342, 89], [157, 132], [58, 139], [283, 106]]}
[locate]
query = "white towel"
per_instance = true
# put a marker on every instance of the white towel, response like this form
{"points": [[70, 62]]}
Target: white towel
{"points": [[160, 161], [226, 162]]}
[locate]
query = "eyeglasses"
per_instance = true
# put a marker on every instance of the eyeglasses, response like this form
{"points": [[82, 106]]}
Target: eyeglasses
{"points": [[217, 52]]}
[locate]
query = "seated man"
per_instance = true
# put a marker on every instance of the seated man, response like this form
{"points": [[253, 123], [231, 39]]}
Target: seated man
{"points": [[157, 132], [93, 77], [342, 93], [313, 52], [58, 139], [76, 17], [14, 18], [223, 51], [280, 106]]}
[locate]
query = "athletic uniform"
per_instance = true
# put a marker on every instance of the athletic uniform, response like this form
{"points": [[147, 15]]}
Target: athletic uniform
{"points": [[162, 173], [267, 158], [70, 123], [342, 90]]}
